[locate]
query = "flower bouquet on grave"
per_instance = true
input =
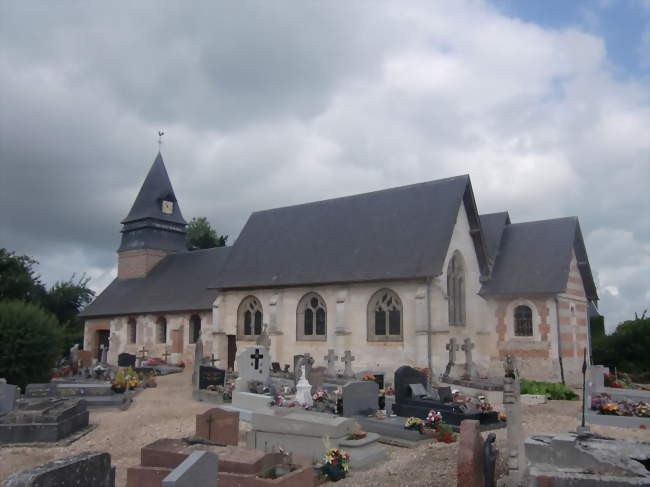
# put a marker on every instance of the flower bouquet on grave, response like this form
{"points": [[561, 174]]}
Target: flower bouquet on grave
{"points": [[415, 424], [368, 377], [610, 381], [433, 421], [503, 417], [642, 410], [598, 400], [609, 408], [321, 400], [444, 434], [336, 464]]}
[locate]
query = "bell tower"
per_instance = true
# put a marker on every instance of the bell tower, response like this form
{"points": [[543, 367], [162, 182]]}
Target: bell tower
{"points": [[154, 228]]}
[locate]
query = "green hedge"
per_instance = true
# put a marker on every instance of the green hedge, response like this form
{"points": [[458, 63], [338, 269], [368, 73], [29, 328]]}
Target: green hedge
{"points": [[30, 341], [552, 390]]}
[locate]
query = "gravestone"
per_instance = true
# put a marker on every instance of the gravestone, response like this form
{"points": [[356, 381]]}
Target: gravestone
{"points": [[218, 425], [8, 394], [126, 360], [452, 348], [275, 367], [211, 376], [200, 469], [348, 359], [316, 378], [444, 394], [84, 469], [467, 347], [252, 364], [359, 397], [331, 359], [198, 360]]}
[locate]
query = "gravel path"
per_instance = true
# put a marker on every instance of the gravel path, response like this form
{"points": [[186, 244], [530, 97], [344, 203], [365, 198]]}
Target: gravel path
{"points": [[168, 411]]}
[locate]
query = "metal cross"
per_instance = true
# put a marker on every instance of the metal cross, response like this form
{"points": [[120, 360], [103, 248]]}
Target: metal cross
{"points": [[166, 354], [210, 420], [160, 135], [143, 351], [257, 356], [213, 360]]}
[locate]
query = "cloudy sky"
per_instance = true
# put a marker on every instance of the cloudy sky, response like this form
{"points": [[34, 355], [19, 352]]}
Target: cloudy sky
{"points": [[544, 103]]}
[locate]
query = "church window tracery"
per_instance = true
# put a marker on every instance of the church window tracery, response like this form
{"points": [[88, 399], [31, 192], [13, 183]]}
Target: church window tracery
{"points": [[456, 290], [523, 321], [385, 316], [195, 328], [249, 318], [161, 325], [311, 318]]}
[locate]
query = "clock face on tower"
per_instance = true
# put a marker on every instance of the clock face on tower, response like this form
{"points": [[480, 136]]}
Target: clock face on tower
{"points": [[168, 207]]}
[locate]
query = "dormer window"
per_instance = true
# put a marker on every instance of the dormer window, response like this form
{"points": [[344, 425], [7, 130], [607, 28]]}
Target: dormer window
{"points": [[167, 207]]}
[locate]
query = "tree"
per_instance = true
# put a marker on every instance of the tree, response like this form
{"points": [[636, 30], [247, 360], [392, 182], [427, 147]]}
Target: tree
{"points": [[18, 279], [626, 348], [30, 342], [200, 235]]}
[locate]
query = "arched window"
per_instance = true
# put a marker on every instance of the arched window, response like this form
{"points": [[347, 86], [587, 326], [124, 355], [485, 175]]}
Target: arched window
{"points": [[456, 290], [132, 330], [195, 328], [311, 318], [523, 321], [162, 329], [249, 318], [385, 316]]}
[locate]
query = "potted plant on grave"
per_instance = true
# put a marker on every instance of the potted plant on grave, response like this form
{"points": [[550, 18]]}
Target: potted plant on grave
{"points": [[642, 410], [433, 421], [609, 408], [119, 384], [336, 464]]}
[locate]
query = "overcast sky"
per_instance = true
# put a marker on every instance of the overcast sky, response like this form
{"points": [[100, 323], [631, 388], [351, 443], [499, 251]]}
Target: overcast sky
{"points": [[544, 103]]}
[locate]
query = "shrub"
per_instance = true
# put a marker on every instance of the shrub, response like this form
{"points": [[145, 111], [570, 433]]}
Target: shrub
{"points": [[552, 390], [30, 341]]}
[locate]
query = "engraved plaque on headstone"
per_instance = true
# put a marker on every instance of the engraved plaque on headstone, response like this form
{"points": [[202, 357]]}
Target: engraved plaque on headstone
{"points": [[211, 376]]}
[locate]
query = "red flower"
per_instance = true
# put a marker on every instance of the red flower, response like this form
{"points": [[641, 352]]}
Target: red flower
{"points": [[643, 426]]}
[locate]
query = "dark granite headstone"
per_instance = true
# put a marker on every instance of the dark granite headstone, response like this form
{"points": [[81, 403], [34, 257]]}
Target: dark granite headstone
{"points": [[88, 468], [418, 390], [8, 394], [359, 397], [211, 376], [316, 378], [126, 360], [407, 403], [444, 394], [275, 367]]}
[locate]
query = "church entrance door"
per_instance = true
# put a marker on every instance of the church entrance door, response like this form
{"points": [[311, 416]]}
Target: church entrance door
{"points": [[102, 339], [232, 351]]}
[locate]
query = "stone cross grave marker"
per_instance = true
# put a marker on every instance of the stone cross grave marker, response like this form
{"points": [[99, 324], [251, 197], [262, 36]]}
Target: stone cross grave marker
{"points": [[143, 355], [452, 347], [8, 393], [166, 354], [467, 348], [348, 359], [331, 359], [218, 425]]}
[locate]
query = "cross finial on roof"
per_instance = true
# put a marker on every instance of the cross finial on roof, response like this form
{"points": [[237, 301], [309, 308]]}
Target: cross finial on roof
{"points": [[160, 135]]}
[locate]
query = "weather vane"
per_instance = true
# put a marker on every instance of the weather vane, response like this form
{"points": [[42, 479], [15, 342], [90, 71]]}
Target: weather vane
{"points": [[160, 134]]}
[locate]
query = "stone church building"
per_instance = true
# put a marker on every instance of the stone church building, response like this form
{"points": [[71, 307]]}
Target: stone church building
{"points": [[390, 275]]}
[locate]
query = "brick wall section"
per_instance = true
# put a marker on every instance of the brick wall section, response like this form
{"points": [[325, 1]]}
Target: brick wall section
{"points": [[132, 264]]}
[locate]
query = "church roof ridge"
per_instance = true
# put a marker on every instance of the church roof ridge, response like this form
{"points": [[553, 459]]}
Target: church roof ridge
{"points": [[155, 188], [364, 194]]}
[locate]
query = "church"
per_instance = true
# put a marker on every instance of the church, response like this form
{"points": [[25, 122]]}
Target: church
{"points": [[391, 276]]}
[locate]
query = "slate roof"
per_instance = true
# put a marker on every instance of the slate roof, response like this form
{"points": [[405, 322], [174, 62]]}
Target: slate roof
{"points": [[155, 188], [178, 283], [493, 225], [397, 233], [535, 258]]}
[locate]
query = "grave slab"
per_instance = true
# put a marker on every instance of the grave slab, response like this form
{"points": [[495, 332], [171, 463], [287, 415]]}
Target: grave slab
{"points": [[359, 396], [364, 453], [201, 468], [84, 469]]}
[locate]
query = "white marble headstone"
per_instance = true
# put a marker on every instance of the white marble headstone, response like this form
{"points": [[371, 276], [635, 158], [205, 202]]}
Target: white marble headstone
{"points": [[252, 364]]}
